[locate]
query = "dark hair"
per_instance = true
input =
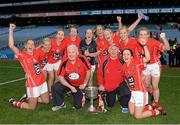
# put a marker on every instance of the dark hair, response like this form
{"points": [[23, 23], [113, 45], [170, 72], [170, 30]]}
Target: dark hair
{"points": [[129, 50], [73, 27]]}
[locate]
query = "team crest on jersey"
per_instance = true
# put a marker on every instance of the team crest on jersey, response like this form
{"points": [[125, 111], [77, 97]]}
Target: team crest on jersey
{"points": [[73, 76]]}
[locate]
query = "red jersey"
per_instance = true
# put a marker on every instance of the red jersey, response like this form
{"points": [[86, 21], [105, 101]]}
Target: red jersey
{"points": [[116, 38], [56, 51], [154, 47], [74, 73], [34, 74], [68, 41], [110, 74], [102, 46], [41, 56], [133, 45], [133, 75]]}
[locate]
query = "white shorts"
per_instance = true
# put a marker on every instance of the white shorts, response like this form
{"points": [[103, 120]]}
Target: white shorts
{"points": [[152, 69], [139, 98], [37, 91], [54, 66], [93, 68]]}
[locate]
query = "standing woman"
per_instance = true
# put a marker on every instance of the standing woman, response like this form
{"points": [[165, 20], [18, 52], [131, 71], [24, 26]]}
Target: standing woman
{"points": [[153, 70], [41, 54], [36, 85], [88, 48], [55, 57], [133, 76]]}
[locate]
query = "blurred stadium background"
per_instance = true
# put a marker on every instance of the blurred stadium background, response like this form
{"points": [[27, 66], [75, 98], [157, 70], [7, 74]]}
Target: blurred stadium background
{"points": [[41, 18]]}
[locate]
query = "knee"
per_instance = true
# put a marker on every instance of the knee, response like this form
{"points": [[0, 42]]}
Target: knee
{"points": [[46, 101], [155, 87], [137, 116], [131, 113], [32, 108]]}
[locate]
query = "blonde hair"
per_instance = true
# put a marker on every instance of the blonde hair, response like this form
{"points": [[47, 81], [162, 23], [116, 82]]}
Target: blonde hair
{"points": [[46, 40], [109, 30], [124, 28], [143, 29], [72, 46]]}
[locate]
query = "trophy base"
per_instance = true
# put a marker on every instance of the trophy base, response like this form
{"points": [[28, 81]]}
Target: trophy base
{"points": [[92, 109]]}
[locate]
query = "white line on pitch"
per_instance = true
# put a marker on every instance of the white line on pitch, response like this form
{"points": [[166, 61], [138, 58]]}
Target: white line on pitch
{"points": [[11, 67], [11, 81], [169, 76]]}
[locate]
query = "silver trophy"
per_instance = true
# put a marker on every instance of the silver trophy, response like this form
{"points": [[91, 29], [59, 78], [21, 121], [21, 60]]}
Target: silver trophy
{"points": [[91, 93]]}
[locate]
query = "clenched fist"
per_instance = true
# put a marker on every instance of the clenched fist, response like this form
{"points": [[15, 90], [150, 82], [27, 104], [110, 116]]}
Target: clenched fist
{"points": [[12, 26]]}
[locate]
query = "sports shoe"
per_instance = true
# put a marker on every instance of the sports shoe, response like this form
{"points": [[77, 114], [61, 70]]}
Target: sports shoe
{"points": [[125, 110], [11, 100], [55, 108], [23, 98]]}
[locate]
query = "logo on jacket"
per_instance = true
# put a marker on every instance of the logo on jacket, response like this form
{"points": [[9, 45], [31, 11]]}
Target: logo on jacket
{"points": [[73, 76]]}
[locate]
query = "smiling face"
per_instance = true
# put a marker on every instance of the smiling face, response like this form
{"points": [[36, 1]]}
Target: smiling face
{"points": [[60, 35], [113, 51], [123, 32], [46, 44], [89, 34], [143, 35], [72, 52], [30, 46], [73, 32], [99, 31], [108, 35], [127, 56]]}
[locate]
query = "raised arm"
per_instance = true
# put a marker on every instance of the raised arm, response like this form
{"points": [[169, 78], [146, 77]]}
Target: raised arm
{"points": [[165, 40], [133, 26], [11, 39], [119, 22]]}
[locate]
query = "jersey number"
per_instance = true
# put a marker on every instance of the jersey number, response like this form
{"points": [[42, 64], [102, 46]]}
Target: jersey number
{"points": [[131, 81], [56, 56], [37, 69]]}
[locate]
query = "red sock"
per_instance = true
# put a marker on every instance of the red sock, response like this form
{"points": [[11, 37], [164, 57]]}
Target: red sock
{"points": [[147, 107], [155, 103], [154, 113], [17, 104]]}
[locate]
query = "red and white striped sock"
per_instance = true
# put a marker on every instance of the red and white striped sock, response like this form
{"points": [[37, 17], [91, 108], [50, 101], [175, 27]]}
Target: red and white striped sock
{"points": [[154, 112], [147, 107], [17, 104]]}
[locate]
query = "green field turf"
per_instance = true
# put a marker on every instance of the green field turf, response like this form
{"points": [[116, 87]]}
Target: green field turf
{"points": [[169, 98]]}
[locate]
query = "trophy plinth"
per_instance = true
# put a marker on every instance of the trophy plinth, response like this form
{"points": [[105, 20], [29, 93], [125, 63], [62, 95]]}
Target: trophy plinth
{"points": [[91, 93]]}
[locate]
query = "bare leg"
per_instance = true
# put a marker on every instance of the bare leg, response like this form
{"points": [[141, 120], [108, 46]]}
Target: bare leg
{"points": [[131, 108], [156, 93], [140, 113], [31, 105], [44, 98], [50, 80]]}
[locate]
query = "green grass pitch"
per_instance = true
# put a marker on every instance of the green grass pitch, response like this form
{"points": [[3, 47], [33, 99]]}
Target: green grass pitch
{"points": [[169, 98]]}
